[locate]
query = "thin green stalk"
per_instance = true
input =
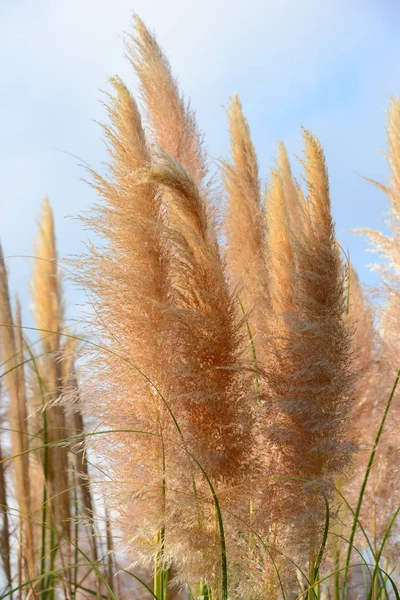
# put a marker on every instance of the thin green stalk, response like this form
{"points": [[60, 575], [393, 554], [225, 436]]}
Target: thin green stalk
{"points": [[89, 591], [82, 552], [257, 389], [205, 591], [315, 564], [252, 346], [358, 522], [53, 553], [160, 571], [313, 581], [383, 587], [394, 587], [76, 533], [324, 539], [375, 579], [44, 507], [336, 581], [45, 584], [365, 564]]}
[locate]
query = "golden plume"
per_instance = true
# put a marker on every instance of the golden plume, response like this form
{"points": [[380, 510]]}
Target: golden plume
{"points": [[172, 121], [17, 415], [244, 224], [48, 314]]}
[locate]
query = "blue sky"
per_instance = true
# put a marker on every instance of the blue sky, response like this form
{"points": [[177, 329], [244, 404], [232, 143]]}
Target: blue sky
{"points": [[330, 66]]}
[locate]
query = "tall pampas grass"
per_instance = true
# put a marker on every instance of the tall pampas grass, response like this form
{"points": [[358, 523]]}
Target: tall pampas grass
{"points": [[162, 272], [325, 338], [129, 283], [165, 303], [5, 548], [202, 434], [17, 415], [48, 314], [207, 339], [41, 562], [309, 377]]}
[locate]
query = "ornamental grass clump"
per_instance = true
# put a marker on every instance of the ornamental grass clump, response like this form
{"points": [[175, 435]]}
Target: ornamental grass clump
{"points": [[222, 428], [171, 326], [235, 367]]}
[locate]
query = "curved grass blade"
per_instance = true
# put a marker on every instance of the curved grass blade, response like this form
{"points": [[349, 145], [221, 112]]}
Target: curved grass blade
{"points": [[224, 562], [324, 538], [365, 480], [383, 587], [342, 569], [358, 522], [82, 552], [379, 554]]}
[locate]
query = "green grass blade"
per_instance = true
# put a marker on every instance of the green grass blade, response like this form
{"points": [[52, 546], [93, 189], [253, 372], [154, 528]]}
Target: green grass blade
{"points": [[379, 554], [46, 584], [252, 346], [343, 569], [365, 480], [324, 538], [383, 587], [362, 529]]}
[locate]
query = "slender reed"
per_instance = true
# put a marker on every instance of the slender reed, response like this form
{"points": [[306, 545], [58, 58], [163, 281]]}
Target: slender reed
{"points": [[17, 418], [5, 548], [48, 314]]}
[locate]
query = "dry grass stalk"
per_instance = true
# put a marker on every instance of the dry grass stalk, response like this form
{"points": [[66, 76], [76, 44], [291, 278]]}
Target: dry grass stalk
{"points": [[5, 548], [48, 314], [110, 552], [17, 417], [76, 425]]}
